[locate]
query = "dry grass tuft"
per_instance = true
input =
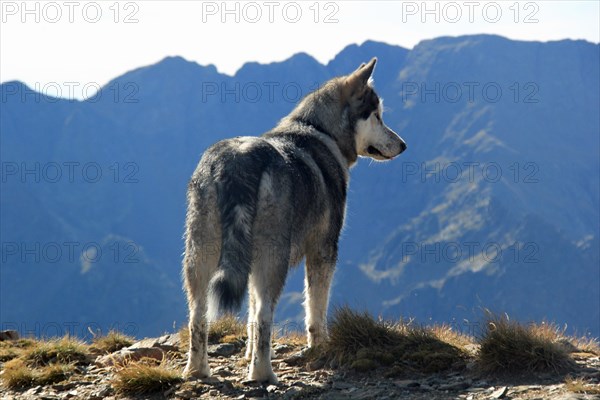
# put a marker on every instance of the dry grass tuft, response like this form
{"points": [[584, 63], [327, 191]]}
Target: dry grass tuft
{"points": [[145, 377], [65, 350], [111, 342], [509, 347], [7, 354], [10, 349], [184, 338], [227, 329], [17, 374], [586, 344], [351, 331], [53, 373], [571, 344], [578, 385], [357, 340], [228, 325], [234, 339], [40, 362], [445, 333], [292, 338]]}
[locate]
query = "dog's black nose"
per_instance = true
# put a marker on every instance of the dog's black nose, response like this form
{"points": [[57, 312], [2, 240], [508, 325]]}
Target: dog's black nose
{"points": [[402, 147]]}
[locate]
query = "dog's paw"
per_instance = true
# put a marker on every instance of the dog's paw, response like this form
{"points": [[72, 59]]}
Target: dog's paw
{"points": [[267, 376], [317, 337], [191, 373]]}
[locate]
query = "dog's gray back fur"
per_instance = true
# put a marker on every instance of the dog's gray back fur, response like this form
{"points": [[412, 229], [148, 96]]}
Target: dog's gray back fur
{"points": [[257, 205]]}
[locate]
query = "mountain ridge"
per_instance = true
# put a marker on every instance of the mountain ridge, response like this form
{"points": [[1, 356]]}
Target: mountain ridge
{"points": [[147, 138]]}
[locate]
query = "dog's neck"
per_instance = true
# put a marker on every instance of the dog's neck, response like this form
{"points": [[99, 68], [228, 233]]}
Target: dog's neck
{"points": [[314, 125], [348, 151], [310, 113]]}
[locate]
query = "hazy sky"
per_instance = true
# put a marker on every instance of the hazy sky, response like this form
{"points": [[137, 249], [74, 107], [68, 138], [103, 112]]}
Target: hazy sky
{"points": [[50, 44]]}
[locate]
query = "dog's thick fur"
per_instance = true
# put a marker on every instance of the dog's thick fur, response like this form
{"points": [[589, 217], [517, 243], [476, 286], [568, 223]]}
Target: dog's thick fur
{"points": [[257, 205]]}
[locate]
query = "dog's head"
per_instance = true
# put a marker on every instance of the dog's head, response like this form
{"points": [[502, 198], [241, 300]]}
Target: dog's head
{"points": [[373, 138]]}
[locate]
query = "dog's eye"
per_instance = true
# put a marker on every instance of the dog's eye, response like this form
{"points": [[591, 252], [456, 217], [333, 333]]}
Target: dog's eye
{"points": [[378, 117]]}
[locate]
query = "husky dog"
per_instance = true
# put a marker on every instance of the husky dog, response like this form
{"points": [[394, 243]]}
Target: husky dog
{"points": [[258, 205]]}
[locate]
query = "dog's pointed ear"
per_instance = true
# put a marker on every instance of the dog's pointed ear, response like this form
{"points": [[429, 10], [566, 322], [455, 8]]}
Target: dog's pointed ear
{"points": [[359, 78], [370, 65]]}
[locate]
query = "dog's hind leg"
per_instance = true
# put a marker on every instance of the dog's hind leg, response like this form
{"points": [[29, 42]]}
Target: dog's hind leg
{"points": [[267, 280], [270, 263], [200, 262], [320, 266], [251, 322]]}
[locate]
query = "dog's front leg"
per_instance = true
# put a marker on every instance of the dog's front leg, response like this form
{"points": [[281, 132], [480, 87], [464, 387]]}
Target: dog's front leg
{"points": [[319, 273]]}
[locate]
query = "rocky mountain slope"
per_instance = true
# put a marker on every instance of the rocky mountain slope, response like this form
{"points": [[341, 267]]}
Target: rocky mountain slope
{"points": [[151, 369]]}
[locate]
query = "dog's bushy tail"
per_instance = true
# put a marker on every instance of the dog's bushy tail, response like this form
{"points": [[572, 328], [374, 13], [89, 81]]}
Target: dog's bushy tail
{"points": [[237, 198]]}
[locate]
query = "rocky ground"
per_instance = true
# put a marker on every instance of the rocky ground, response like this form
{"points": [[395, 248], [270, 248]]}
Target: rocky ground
{"points": [[302, 379]]}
